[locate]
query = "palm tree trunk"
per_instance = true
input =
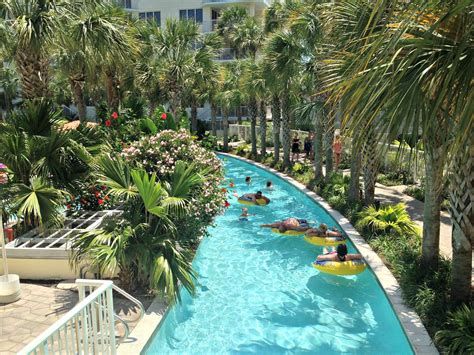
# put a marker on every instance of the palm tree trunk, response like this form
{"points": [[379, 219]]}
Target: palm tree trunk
{"points": [[112, 97], [318, 148], [276, 118], [194, 116], [225, 127], [370, 165], [285, 111], [354, 195], [434, 163], [77, 86], [253, 111], [263, 128], [461, 197], [213, 119], [239, 114], [8, 103], [34, 70], [329, 138], [151, 107]]}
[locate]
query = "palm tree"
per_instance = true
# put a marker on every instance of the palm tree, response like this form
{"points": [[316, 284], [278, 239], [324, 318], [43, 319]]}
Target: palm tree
{"points": [[229, 20], [228, 96], [29, 29], [91, 36], [397, 74], [283, 54], [204, 68], [143, 242], [9, 83]]}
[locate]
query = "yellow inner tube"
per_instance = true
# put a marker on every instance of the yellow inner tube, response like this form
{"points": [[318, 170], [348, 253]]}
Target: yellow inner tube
{"points": [[351, 267], [325, 241], [288, 232], [260, 202]]}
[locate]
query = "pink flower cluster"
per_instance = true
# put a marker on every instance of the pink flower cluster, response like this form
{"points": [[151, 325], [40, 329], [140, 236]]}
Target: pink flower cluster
{"points": [[160, 153]]}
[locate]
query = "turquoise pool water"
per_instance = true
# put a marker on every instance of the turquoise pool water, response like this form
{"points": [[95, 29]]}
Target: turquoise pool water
{"points": [[257, 292]]}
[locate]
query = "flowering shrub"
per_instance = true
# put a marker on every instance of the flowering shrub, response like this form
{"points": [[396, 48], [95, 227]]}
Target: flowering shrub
{"points": [[159, 154], [92, 198]]}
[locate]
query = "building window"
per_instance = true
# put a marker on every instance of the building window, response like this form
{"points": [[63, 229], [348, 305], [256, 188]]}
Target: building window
{"points": [[128, 4], [191, 15], [151, 16]]}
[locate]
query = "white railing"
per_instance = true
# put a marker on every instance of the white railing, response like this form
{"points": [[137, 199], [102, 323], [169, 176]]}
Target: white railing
{"points": [[88, 328]]}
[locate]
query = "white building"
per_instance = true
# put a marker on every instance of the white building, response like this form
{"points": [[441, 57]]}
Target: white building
{"points": [[204, 12]]}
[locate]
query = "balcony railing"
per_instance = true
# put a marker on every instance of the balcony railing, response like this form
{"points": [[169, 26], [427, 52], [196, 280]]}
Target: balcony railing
{"points": [[211, 2]]}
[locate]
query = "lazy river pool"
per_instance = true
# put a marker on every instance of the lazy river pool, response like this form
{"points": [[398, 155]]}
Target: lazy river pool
{"points": [[257, 292]]}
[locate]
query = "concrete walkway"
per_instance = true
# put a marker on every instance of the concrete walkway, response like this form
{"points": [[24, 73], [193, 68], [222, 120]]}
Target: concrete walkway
{"points": [[39, 307], [394, 194]]}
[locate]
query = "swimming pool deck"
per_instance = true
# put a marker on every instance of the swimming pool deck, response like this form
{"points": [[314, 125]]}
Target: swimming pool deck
{"points": [[414, 328], [38, 308]]}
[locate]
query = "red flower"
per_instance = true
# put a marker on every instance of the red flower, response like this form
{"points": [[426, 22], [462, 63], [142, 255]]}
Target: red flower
{"points": [[103, 187], [97, 194], [114, 115], [100, 201], [68, 206], [226, 204], [107, 198], [164, 116], [108, 123], [231, 184], [224, 190]]}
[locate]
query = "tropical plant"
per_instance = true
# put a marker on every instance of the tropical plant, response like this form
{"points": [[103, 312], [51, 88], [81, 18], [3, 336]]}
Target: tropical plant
{"points": [[28, 30], [143, 243], [458, 338], [396, 83], [159, 154], [283, 54], [98, 29], [9, 82], [45, 161], [387, 219]]}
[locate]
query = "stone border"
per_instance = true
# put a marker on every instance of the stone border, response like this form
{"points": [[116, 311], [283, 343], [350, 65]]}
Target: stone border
{"points": [[410, 321], [143, 331], [414, 329]]}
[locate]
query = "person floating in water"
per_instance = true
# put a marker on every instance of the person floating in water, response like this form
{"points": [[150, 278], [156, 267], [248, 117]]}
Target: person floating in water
{"points": [[245, 214], [255, 197], [269, 185], [295, 224], [248, 180], [323, 231], [338, 254]]}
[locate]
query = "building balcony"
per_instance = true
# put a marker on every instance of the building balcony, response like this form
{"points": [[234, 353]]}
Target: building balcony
{"points": [[231, 2]]}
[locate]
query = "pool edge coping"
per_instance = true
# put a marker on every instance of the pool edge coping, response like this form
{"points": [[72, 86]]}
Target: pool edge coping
{"points": [[414, 329]]}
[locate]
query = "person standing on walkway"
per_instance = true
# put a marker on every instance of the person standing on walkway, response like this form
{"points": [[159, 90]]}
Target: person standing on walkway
{"points": [[295, 148], [337, 149]]}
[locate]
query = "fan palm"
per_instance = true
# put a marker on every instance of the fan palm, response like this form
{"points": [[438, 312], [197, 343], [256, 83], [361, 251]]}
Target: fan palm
{"points": [[30, 29], [415, 73], [31, 144], [386, 219], [9, 82], [229, 95], [143, 243], [96, 31], [283, 54]]}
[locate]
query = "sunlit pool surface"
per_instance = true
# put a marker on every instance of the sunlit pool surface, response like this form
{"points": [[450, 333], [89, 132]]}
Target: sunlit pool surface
{"points": [[257, 292]]}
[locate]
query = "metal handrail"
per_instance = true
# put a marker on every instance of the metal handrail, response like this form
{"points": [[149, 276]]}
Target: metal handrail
{"points": [[131, 298], [125, 324], [39, 341]]}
